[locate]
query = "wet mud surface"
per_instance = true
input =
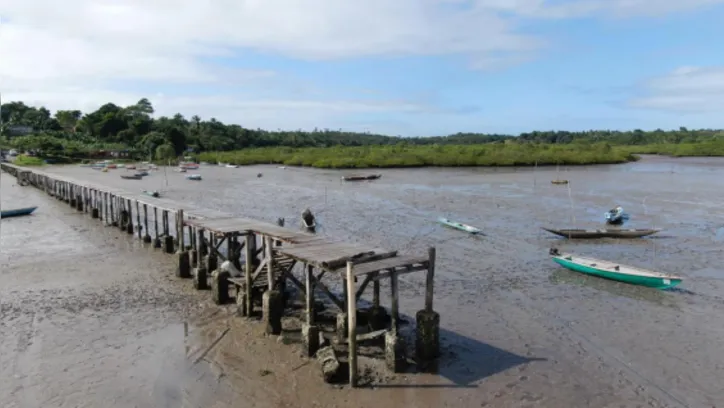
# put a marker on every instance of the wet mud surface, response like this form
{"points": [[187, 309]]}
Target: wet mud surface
{"points": [[92, 318]]}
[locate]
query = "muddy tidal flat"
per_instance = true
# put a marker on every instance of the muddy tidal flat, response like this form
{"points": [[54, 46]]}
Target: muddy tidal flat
{"points": [[91, 318]]}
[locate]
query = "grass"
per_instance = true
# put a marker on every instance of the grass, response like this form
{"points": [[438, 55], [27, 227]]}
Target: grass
{"points": [[498, 154], [23, 160]]}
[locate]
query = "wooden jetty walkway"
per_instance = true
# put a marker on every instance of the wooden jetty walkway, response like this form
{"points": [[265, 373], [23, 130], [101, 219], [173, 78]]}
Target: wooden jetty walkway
{"points": [[251, 262]]}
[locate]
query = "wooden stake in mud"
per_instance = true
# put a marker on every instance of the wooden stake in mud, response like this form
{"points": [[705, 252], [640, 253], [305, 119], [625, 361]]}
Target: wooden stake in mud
{"points": [[138, 219], [352, 319], [155, 224], [180, 230]]}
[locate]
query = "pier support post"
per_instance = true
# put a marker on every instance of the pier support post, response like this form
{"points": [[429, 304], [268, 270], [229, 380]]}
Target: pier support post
{"points": [[310, 339], [272, 311], [427, 340], [220, 286], [79, 203], [394, 352], [341, 327], [200, 282], [378, 316], [184, 265], [168, 244], [95, 213]]}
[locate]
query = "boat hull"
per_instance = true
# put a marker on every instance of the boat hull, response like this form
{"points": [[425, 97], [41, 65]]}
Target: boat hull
{"points": [[459, 226], [18, 212], [602, 233], [648, 281]]}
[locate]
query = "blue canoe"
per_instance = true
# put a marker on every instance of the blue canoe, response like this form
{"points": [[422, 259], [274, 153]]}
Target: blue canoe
{"points": [[17, 212]]}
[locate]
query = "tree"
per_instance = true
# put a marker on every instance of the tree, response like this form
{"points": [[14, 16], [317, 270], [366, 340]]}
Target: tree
{"points": [[165, 152]]}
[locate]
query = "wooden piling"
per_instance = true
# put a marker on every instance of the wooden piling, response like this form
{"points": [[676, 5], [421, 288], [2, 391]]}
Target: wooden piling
{"points": [[138, 219], [248, 270], [430, 281], [352, 325]]}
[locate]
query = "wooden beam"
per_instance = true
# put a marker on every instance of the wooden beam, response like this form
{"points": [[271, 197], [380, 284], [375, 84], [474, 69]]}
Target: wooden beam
{"points": [[363, 286]]}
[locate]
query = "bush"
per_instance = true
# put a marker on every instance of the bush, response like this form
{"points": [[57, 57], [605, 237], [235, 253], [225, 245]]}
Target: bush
{"points": [[24, 160]]}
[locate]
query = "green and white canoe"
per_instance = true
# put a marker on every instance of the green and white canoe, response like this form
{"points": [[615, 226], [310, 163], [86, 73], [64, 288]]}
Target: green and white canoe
{"points": [[460, 226], [616, 272]]}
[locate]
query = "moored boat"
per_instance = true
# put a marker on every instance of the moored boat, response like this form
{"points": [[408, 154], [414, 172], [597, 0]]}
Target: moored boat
{"points": [[17, 212], [308, 221], [141, 173], [615, 271], [616, 216], [559, 181], [576, 233], [193, 177], [154, 194], [460, 226], [131, 176], [361, 177]]}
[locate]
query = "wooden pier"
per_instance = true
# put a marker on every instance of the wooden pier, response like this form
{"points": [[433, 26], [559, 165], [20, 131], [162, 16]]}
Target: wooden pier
{"points": [[251, 262]]}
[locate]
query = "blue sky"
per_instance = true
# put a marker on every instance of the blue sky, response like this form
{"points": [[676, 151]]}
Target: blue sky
{"points": [[410, 67]]}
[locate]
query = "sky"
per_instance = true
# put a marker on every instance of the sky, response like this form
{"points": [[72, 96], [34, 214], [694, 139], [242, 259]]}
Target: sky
{"points": [[399, 67]]}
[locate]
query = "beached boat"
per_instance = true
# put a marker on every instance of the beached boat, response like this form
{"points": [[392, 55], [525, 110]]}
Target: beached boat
{"points": [[616, 216], [131, 176], [575, 233], [17, 212], [361, 178], [615, 271], [460, 226], [141, 173], [193, 177], [232, 166], [559, 181], [154, 194]]}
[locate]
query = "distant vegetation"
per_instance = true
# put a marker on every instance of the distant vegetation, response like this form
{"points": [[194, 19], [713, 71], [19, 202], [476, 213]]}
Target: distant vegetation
{"points": [[74, 135], [408, 155], [23, 160]]}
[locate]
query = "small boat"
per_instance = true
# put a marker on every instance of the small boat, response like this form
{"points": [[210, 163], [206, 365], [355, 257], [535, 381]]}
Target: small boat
{"points": [[181, 169], [559, 181], [614, 271], [17, 212], [308, 221], [361, 178], [258, 175], [105, 170], [460, 226], [111, 166], [193, 177], [131, 167], [616, 216], [575, 233], [232, 166], [131, 177], [141, 173], [154, 194]]}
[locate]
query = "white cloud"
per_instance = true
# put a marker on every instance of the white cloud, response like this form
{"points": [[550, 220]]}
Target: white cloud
{"points": [[686, 89], [89, 52]]}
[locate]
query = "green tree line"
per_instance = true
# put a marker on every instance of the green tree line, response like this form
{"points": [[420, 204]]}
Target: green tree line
{"points": [[134, 128]]}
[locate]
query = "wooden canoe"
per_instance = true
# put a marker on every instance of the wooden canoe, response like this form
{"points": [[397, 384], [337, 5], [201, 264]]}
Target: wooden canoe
{"points": [[361, 178], [17, 212], [574, 233], [460, 226], [615, 271]]}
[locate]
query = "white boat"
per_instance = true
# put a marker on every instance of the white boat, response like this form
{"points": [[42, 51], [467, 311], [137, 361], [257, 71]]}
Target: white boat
{"points": [[232, 166]]}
